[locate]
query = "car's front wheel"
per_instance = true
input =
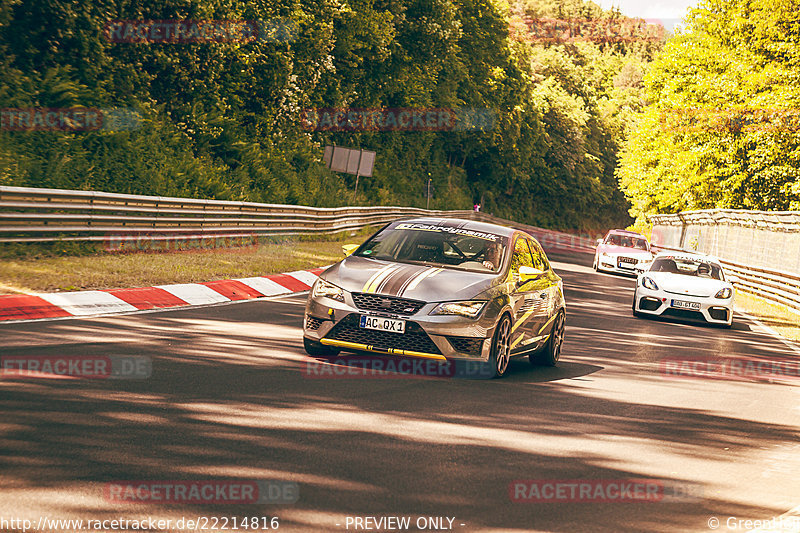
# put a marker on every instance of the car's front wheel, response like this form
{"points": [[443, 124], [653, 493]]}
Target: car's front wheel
{"points": [[501, 348], [551, 352], [317, 349]]}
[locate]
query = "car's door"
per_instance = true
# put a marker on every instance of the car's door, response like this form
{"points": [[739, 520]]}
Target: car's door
{"points": [[549, 284], [530, 296]]}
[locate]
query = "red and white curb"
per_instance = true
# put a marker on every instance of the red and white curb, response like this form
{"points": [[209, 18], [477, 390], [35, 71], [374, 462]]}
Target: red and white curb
{"points": [[22, 307]]}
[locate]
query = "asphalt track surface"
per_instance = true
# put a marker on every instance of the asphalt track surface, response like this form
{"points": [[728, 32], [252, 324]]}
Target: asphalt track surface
{"points": [[229, 398]]}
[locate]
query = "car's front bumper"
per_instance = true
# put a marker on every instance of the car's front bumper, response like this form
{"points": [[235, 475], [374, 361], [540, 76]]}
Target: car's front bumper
{"points": [[661, 303], [612, 263], [443, 337]]}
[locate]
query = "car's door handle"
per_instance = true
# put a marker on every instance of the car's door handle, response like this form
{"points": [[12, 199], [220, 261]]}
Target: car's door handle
{"points": [[543, 296]]}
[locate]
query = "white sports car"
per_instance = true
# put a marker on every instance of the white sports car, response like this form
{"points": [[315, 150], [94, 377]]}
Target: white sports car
{"points": [[685, 285]]}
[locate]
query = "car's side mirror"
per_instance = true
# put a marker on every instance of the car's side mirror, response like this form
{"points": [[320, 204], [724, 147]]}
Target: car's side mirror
{"points": [[527, 273], [348, 249], [733, 279]]}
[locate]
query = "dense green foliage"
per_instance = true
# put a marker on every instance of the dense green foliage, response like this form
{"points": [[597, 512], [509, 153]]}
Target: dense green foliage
{"points": [[222, 119], [722, 127]]}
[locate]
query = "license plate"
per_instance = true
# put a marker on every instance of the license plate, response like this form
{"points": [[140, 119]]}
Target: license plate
{"points": [[382, 324], [685, 305], [625, 265], [630, 260]]}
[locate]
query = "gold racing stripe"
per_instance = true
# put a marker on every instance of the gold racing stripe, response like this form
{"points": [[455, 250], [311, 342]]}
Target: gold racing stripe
{"points": [[398, 278], [375, 275], [379, 276], [380, 284], [416, 281]]}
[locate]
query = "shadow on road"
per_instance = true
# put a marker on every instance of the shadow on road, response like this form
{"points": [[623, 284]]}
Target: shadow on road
{"points": [[228, 398]]}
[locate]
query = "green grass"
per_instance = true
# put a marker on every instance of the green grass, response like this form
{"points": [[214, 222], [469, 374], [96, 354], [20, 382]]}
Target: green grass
{"points": [[28, 269], [778, 317]]}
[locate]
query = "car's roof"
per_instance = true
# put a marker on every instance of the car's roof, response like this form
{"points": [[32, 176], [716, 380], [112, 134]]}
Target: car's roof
{"points": [[699, 256], [625, 232], [471, 225]]}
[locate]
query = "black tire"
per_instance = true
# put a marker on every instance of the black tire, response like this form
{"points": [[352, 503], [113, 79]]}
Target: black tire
{"points": [[500, 353], [551, 352], [316, 349]]}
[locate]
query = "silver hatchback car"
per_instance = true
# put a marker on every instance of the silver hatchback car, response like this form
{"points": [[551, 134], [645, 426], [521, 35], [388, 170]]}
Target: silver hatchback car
{"points": [[443, 289]]}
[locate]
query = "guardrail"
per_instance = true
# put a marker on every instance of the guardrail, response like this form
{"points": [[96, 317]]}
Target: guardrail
{"points": [[46, 215], [762, 239], [551, 240], [773, 286], [761, 248], [42, 215]]}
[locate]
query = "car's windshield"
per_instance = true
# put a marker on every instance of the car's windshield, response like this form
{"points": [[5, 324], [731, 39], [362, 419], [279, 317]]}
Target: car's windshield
{"points": [[626, 241], [445, 246], [687, 267]]}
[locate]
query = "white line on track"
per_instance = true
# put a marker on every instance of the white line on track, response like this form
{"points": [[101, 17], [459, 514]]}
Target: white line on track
{"points": [[164, 309], [792, 346], [87, 303]]}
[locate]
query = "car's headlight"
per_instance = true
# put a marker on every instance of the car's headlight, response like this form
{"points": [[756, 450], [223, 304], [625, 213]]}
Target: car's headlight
{"points": [[649, 284], [470, 309], [724, 293], [329, 290]]}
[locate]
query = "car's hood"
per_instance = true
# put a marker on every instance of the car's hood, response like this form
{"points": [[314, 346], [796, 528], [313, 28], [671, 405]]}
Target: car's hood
{"points": [[622, 250], [689, 285], [430, 284]]}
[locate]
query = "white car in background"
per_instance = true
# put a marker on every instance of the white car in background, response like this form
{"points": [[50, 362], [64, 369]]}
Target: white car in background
{"points": [[685, 285], [621, 251]]}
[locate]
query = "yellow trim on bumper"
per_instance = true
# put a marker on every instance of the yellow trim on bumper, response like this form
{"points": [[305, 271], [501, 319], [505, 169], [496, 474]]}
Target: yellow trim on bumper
{"points": [[370, 348]]}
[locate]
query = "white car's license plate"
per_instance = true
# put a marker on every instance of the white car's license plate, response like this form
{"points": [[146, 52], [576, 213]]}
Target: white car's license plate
{"points": [[382, 324], [686, 305]]}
